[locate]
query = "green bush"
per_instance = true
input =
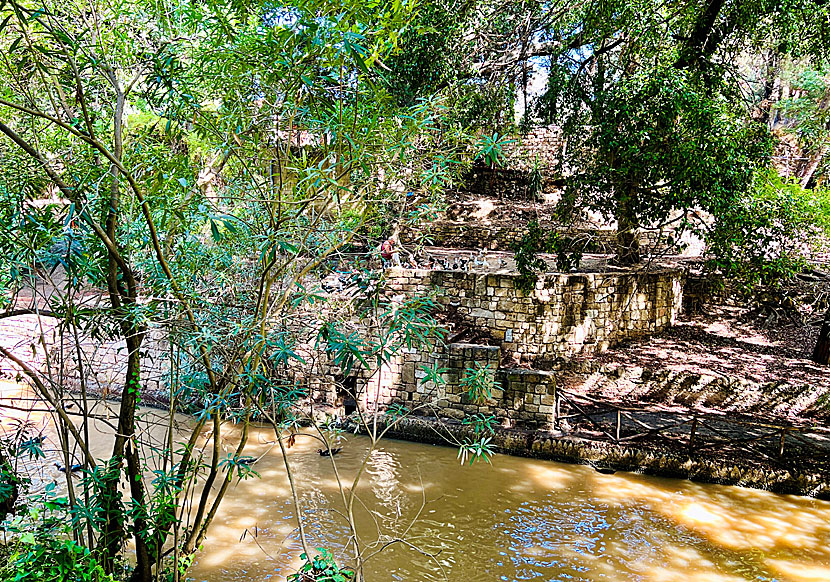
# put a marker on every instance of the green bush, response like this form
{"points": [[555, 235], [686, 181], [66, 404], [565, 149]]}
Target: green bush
{"points": [[535, 241], [767, 234], [40, 550]]}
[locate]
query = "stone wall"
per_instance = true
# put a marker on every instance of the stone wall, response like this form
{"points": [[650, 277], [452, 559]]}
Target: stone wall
{"points": [[565, 315], [502, 183], [539, 149], [709, 466], [47, 348], [541, 145], [518, 397]]}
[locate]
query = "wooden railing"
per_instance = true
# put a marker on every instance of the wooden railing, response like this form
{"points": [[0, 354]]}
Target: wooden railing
{"points": [[706, 431]]}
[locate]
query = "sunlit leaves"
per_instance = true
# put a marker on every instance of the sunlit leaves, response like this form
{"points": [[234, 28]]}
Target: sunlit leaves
{"points": [[322, 567], [482, 424], [479, 450], [491, 149], [766, 235], [396, 410], [345, 348], [241, 466], [479, 382], [433, 375]]}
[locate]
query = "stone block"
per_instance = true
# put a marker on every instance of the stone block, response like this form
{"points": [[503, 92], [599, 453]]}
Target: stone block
{"points": [[453, 413]]}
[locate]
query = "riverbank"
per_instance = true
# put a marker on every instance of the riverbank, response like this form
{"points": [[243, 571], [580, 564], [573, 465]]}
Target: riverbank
{"points": [[803, 471], [607, 457], [714, 399]]}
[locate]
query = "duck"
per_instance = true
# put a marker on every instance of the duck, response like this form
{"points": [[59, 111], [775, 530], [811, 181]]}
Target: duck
{"points": [[247, 461], [329, 452], [72, 469]]}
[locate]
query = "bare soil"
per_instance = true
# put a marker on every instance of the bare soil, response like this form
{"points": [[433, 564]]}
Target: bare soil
{"points": [[769, 368]]}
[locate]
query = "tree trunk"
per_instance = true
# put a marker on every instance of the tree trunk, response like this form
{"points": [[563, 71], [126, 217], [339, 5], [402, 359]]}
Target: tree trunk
{"points": [[811, 168], [770, 81], [123, 293], [628, 241], [692, 49], [821, 354]]}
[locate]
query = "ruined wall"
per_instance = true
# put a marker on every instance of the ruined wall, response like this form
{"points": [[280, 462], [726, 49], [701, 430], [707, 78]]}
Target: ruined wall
{"points": [[46, 347], [519, 398], [541, 148], [502, 183], [565, 315], [541, 145]]}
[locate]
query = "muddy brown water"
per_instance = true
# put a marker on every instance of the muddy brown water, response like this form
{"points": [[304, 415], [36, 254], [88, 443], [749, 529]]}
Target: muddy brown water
{"points": [[517, 519]]}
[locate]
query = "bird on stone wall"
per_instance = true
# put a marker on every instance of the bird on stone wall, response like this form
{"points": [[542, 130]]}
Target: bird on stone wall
{"points": [[481, 260]]}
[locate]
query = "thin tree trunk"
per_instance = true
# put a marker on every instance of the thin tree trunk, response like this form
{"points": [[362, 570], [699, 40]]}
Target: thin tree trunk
{"points": [[811, 168], [123, 294], [628, 241], [770, 80], [821, 354]]}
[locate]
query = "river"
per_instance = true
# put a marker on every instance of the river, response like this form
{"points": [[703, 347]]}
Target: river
{"points": [[516, 519]]}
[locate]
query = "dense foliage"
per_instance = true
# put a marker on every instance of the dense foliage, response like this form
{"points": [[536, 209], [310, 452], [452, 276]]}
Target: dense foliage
{"points": [[196, 169], [193, 166], [666, 108]]}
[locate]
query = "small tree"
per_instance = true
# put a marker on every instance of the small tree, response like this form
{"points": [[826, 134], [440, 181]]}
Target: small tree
{"points": [[657, 144], [205, 168], [768, 236]]}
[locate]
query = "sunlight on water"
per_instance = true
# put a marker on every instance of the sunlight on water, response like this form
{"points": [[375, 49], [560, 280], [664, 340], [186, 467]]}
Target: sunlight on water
{"points": [[518, 519]]}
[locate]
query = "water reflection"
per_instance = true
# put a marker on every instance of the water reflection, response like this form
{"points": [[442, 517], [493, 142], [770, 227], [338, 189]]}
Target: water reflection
{"points": [[528, 520], [518, 519]]}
